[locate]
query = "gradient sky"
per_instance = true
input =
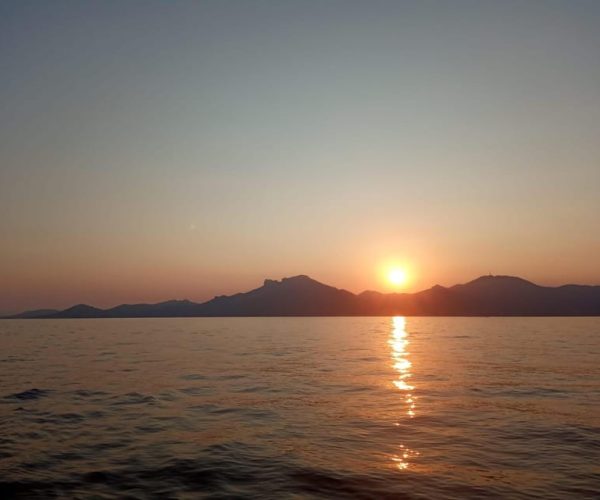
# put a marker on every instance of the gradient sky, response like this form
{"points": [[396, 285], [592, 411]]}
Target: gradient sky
{"points": [[157, 150]]}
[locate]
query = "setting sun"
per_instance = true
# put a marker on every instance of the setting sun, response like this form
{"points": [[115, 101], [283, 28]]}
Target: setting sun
{"points": [[397, 276]]}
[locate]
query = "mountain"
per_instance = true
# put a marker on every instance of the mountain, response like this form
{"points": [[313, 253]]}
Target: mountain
{"points": [[167, 309], [501, 296], [304, 296], [79, 311], [510, 296], [35, 313], [297, 296]]}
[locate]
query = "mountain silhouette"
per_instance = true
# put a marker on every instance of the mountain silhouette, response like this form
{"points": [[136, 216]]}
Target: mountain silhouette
{"points": [[80, 311], [297, 296], [170, 308], [35, 313], [304, 296]]}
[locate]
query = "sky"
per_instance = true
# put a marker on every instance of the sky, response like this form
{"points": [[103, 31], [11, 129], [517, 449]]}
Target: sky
{"points": [[158, 150]]}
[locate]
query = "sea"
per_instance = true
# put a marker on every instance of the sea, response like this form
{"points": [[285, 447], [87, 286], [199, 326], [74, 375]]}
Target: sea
{"points": [[360, 407]]}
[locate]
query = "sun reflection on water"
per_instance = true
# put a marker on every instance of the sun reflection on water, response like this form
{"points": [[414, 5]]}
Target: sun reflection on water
{"points": [[402, 365]]}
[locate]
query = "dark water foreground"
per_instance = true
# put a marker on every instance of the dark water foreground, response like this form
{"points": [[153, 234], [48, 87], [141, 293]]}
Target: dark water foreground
{"points": [[300, 407]]}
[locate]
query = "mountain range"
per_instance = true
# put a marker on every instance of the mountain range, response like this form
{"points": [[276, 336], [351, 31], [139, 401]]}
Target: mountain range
{"points": [[304, 296]]}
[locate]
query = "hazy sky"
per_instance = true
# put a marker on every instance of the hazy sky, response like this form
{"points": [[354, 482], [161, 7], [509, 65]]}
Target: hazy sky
{"points": [[156, 150]]}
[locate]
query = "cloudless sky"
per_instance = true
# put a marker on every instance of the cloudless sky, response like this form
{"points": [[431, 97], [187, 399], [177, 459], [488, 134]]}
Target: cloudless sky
{"points": [[155, 150]]}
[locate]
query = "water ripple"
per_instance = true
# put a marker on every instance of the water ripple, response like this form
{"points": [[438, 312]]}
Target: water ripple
{"points": [[370, 408]]}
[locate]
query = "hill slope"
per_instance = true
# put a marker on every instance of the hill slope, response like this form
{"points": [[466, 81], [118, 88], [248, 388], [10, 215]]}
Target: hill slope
{"points": [[303, 296]]}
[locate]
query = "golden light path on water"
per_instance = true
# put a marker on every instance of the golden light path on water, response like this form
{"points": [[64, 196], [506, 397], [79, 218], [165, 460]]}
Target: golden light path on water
{"points": [[402, 365]]}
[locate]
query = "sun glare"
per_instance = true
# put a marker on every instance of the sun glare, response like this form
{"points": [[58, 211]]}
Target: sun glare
{"points": [[397, 276]]}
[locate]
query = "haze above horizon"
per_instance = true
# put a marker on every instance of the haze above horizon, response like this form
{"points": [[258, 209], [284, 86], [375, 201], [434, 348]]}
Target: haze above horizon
{"points": [[155, 150]]}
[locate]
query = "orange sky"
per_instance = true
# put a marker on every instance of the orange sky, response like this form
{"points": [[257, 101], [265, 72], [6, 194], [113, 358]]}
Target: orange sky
{"points": [[195, 150]]}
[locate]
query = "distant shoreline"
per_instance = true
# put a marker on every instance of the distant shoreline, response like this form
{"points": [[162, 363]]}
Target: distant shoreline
{"points": [[301, 296]]}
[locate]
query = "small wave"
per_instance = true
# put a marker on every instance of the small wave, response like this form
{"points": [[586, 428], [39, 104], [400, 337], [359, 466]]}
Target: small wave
{"points": [[197, 391], [30, 394], [254, 388], [12, 359], [237, 473], [135, 398], [193, 376], [521, 392]]}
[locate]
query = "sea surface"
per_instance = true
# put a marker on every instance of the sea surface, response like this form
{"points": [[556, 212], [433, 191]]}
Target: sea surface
{"points": [[415, 408]]}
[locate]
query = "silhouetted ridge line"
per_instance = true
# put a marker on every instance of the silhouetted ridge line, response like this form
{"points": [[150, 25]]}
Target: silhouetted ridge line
{"points": [[35, 313], [304, 296]]}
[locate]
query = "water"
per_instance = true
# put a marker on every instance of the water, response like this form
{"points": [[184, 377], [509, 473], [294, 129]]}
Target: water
{"points": [[300, 407]]}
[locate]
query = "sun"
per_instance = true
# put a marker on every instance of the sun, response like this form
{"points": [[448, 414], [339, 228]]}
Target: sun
{"points": [[397, 276]]}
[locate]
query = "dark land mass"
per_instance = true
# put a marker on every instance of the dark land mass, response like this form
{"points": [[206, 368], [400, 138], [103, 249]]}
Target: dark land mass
{"points": [[36, 313], [303, 296]]}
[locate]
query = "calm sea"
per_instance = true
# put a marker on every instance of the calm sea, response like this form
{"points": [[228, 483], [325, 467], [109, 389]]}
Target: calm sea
{"points": [[425, 408]]}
